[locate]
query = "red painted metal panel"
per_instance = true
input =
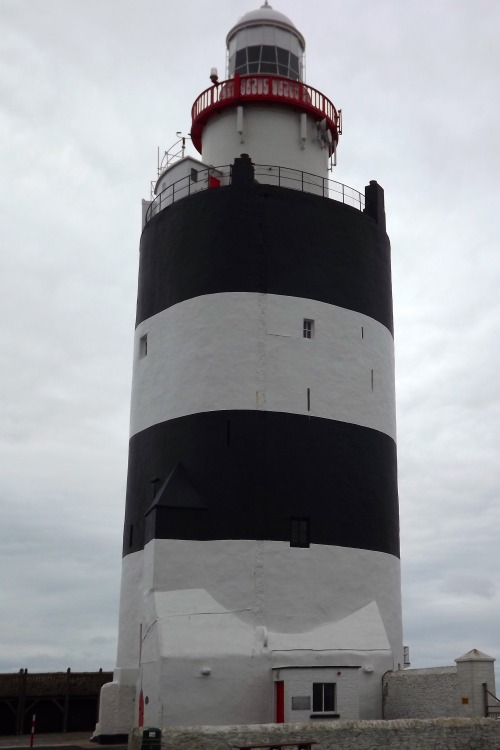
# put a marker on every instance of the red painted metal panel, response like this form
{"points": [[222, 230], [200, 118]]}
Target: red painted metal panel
{"points": [[141, 709], [262, 88]]}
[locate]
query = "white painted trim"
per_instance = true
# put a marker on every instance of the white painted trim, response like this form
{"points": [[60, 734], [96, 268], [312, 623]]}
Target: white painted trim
{"points": [[243, 350]]}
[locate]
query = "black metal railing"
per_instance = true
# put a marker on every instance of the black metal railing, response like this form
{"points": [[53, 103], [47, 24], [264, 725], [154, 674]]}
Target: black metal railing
{"points": [[294, 179], [491, 703]]}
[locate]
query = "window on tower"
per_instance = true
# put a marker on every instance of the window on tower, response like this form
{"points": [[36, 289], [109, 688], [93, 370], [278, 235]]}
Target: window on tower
{"points": [[308, 328], [143, 346], [299, 532]]}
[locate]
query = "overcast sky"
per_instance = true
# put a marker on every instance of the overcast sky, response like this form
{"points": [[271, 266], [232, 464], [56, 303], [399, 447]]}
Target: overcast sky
{"points": [[88, 90]]}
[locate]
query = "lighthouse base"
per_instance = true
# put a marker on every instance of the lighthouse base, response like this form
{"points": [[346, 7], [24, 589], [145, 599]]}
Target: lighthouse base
{"points": [[117, 707], [253, 658]]}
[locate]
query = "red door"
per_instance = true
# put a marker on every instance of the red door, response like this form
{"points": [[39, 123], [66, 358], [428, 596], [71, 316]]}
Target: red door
{"points": [[141, 709], [280, 702]]}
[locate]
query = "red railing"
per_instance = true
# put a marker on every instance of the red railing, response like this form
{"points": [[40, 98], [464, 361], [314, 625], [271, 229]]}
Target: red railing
{"points": [[258, 88]]}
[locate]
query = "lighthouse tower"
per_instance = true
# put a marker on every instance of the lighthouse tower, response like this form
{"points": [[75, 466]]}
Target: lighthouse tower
{"points": [[261, 575]]}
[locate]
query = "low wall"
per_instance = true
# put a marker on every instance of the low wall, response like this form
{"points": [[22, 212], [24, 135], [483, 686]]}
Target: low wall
{"points": [[402, 734], [422, 694]]}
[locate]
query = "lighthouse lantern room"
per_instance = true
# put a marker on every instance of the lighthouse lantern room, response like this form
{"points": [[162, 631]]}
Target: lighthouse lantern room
{"points": [[261, 574]]}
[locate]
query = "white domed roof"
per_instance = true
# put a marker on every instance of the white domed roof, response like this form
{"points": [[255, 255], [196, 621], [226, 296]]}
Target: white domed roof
{"points": [[265, 15]]}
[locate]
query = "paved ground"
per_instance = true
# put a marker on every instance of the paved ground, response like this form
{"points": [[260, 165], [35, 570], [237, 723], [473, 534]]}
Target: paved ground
{"points": [[68, 740]]}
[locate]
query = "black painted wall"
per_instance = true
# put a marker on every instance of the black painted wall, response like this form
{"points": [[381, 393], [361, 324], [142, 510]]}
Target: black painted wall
{"points": [[263, 238], [240, 474], [245, 474]]}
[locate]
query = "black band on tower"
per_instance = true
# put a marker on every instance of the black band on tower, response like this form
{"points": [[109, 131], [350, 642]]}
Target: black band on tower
{"points": [[265, 239], [244, 475]]}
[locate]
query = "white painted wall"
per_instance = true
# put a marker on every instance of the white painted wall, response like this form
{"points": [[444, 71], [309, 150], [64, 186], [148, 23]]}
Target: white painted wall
{"points": [[117, 706], [473, 670], [224, 605], [242, 350], [299, 682], [271, 135], [258, 579], [176, 183]]}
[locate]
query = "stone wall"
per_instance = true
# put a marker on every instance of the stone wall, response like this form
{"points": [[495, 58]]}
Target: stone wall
{"points": [[421, 693], [407, 734]]}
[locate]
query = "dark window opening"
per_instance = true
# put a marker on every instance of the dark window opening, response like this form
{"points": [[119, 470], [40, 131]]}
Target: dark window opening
{"points": [[299, 532], [241, 57], [283, 56], [324, 694], [268, 53], [254, 54], [308, 328], [265, 58], [194, 175]]}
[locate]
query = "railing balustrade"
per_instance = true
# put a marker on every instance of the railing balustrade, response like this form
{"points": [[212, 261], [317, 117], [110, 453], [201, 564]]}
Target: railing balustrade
{"points": [[268, 174]]}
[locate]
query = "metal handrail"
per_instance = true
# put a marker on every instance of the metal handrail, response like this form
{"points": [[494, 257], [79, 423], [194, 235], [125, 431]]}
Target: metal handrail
{"points": [[488, 706], [294, 179], [258, 88]]}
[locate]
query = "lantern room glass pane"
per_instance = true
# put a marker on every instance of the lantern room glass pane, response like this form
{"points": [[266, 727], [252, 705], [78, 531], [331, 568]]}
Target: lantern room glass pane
{"points": [[282, 56], [268, 53], [254, 54], [268, 67], [241, 57]]}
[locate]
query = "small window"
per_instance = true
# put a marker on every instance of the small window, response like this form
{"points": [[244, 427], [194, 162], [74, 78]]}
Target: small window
{"points": [[299, 532], [194, 175], [308, 329], [143, 346], [324, 694]]}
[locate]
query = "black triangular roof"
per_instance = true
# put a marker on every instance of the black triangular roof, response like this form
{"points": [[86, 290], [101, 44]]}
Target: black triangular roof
{"points": [[177, 492]]}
